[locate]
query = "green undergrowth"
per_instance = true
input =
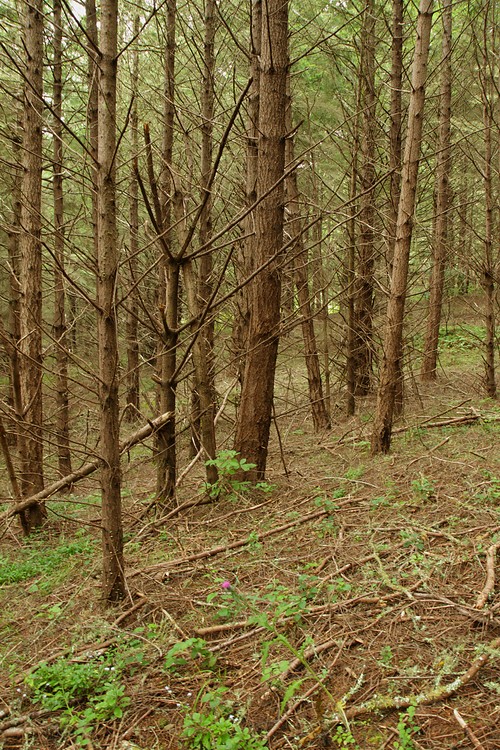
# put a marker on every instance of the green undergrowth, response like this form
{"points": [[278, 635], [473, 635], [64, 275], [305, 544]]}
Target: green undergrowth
{"points": [[87, 692], [39, 557]]}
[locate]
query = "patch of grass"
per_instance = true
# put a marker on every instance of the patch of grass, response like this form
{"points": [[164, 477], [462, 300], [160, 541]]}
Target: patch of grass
{"points": [[37, 558]]}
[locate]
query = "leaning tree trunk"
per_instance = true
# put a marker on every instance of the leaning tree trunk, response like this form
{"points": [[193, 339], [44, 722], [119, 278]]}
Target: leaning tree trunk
{"points": [[382, 428], [254, 418], [59, 325], [440, 244], [113, 579], [30, 248]]}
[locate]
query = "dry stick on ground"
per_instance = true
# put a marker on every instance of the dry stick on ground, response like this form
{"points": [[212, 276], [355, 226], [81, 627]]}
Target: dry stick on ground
{"points": [[316, 610], [141, 434], [467, 419], [461, 721], [391, 702], [284, 718], [241, 542], [308, 654], [490, 577]]}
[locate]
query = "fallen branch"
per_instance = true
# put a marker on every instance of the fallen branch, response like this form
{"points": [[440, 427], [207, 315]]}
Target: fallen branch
{"points": [[461, 721], [315, 610], [392, 703], [87, 469], [467, 419], [490, 575], [255, 538]]}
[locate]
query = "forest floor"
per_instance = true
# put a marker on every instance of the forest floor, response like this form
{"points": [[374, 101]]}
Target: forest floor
{"points": [[346, 603]]}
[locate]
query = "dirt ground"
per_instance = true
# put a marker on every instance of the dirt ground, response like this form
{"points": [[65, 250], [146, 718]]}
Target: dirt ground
{"points": [[325, 604]]}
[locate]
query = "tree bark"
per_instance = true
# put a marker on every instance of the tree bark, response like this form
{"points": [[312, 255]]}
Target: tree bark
{"points": [[132, 409], [395, 158], [59, 324], [92, 105], [14, 335], [363, 315], [321, 419], [30, 248], [254, 418], [488, 266], [199, 294], [382, 428], [443, 167], [113, 578], [246, 249], [168, 287]]}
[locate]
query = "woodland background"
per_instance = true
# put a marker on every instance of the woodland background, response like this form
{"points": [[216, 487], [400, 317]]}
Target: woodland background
{"points": [[247, 249]]}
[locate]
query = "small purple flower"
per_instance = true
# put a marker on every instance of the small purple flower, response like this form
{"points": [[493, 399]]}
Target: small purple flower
{"points": [[226, 585]]}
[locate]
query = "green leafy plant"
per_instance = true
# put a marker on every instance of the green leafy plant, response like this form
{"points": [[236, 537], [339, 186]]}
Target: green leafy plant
{"points": [[184, 652], [386, 656], [86, 693], [423, 488], [343, 738], [406, 728], [37, 558], [229, 464], [214, 726]]}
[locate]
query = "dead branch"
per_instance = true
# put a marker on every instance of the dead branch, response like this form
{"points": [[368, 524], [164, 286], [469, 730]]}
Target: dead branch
{"points": [[461, 721], [84, 471], [467, 419], [392, 703], [490, 575], [239, 543]]}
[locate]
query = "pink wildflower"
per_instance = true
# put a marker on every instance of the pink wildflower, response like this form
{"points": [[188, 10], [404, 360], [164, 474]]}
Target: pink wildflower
{"points": [[226, 585]]}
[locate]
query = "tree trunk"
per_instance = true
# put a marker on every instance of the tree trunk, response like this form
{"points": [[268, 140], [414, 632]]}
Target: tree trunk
{"points": [[203, 351], [246, 248], [382, 428], [488, 270], [92, 119], [254, 418], [168, 288], [363, 317], [132, 409], [321, 419], [59, 324], [30, 248], [395, 158], [107, 245], [14, 334], [440, 244]]}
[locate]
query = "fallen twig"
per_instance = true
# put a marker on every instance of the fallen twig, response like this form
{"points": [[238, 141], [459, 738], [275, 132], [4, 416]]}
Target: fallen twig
{"points": [[391, 702], [467, 419], [490, 575], [461, 721], [284, 718], [16, 721], [258, 537]]}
